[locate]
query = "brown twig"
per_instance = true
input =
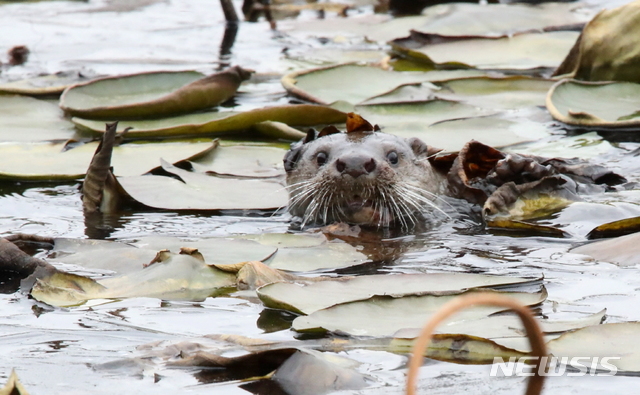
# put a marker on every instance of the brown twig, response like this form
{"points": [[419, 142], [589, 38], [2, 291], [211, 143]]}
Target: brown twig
{"points": [[533, 333]]}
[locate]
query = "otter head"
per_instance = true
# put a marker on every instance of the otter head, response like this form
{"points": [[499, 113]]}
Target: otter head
{"points": [[362, 177]]}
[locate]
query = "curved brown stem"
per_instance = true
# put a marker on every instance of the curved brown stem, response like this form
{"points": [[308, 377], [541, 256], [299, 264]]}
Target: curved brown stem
{"points": [[534, 334]]}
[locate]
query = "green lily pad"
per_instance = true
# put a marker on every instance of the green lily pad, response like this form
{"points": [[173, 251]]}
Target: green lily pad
{"points": [[175, 276], [496, 131], [126, 258], [586, 146], [24, 119], [52, 84], [243, 161], [384, 315], [50, 161], [153, 94], [309, 252], [354, 84], [305, 299], [520, 52], [595, 104], [220, 122], [197, 191], [496, 93], [499, 332], [607, 340], [496, 20]]}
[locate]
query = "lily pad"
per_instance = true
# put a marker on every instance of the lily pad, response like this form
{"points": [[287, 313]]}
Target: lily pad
{"points": [[197, 191], [607, 340], [623, 250], [309, 252], [52, 161], [24, 119], [520, 52], [126, 258], [220, 122], [174, 276], [243, 161], [497, 93], [595, 104], [496, 20], [383, 315], [52, 84], [413, 118], [154, 94], [497, 131], [305, 299], [354, 84]]}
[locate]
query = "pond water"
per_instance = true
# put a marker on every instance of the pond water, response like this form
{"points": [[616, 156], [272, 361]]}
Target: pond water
{"points": [[95, 348]]}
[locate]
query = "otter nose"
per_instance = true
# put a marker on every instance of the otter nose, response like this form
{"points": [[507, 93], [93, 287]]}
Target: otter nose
{"points": [[355, 165]]}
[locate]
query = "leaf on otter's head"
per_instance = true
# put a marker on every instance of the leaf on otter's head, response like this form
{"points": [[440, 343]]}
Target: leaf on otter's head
{"points": [[355, 123]]}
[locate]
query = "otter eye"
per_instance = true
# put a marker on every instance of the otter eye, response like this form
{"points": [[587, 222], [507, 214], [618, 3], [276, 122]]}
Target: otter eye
{"points": [[321, 158], [392, 157]]}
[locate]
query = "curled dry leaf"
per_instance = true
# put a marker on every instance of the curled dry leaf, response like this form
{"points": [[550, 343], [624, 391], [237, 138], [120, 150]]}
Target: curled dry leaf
{"points": [[608, 48]]}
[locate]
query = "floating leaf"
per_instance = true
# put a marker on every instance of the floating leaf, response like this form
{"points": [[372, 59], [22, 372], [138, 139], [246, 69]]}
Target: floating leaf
{"points": [[623, 250], [607, 49], [172, 276], [305, 299], [506, 326], [125, 258], [496, 93], [525, 227], [616, 228], [414, 118], [221, 122], [606, 340], [309, 252], [522, 51], [154, 94], [353, 83], [497, 131], [243, 161], [50, 161], [383, 316], [496, 20], [52, 84], [27, 119], [197, 191], [458, 348], [595, 104]]}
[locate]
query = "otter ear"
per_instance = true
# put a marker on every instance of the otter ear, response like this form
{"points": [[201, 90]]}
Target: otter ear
{"points": [[311, 135], [420, 148], [327, 130]]}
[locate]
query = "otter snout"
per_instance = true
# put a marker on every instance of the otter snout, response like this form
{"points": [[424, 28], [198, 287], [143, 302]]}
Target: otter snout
{"points": [[356, 165]]}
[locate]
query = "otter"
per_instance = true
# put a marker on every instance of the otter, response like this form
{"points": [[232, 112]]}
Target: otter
{"points": [[367, 177], [363, 177]]}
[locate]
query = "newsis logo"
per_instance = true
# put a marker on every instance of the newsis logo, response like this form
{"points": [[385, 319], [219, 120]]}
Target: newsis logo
{"points": [[554, 366]]}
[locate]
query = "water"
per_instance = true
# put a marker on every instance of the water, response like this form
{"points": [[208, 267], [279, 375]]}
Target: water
{"points": [[93, 348]]}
